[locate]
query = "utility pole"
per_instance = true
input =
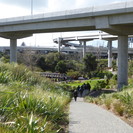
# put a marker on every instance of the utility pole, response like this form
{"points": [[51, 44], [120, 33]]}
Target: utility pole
{"points": [[31, 7]]}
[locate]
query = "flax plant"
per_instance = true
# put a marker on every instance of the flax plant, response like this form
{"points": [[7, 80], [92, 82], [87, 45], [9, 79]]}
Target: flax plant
{"points": [[30, 103]]}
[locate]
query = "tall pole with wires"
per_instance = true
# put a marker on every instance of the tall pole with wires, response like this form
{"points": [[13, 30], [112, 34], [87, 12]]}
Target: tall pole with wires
{"points": [[31, 7]]}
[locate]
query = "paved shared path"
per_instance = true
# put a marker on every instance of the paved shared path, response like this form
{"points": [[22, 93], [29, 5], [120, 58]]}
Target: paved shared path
{"points": [[89, 118]]}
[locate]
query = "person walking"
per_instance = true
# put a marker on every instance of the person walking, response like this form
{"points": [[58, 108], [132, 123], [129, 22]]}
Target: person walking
{"points": [[81, 90], [75, 95], [88, 86]]}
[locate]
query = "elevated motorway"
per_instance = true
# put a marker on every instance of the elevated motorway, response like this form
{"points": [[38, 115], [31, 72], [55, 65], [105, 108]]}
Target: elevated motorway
{"points": [[89, 37], [83, 39], [102, 51], [115, 19]]}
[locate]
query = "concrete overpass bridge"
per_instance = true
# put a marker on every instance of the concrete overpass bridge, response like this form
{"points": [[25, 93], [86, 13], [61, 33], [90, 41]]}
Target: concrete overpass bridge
{"points": [[83, 39], [116, 19], [86, 38]]}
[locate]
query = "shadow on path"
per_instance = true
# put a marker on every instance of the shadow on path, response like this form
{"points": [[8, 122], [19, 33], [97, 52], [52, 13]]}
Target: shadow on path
{"points": [[97, 93]]}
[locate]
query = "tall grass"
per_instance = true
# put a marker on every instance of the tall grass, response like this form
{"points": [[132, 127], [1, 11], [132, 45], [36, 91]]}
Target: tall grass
{"points": [[30, 103], [19, 73]]}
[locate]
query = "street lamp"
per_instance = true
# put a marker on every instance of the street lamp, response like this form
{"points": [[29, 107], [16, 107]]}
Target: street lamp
{"points": [[31, 7]]}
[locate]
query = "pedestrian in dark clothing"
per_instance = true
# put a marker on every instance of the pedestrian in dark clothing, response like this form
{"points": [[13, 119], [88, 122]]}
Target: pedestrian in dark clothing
{"points": [[88, 86], [78, 88], [81, 90], [75, 95]]}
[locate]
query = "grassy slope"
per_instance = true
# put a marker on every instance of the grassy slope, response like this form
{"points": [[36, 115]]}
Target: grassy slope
{"points": [[30, 103]]}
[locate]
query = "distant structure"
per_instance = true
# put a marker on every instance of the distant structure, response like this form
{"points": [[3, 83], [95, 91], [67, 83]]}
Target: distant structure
{"points": [[83, 39], [101, 51]]}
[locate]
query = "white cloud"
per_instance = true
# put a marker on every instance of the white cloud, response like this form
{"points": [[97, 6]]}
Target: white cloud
{"points": [[12, 11], [10, 8], [25, 3], [58, 5]]}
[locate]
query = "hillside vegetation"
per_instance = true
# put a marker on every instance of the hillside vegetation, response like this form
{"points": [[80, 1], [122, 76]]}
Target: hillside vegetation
{"points": [[30, 103]]}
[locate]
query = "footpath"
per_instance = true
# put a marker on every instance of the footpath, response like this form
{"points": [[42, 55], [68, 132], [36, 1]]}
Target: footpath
{"points": [[89, 118]]}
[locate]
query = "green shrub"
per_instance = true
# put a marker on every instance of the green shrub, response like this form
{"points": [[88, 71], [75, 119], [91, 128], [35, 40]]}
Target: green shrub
{"points": [[5, 77], [30, 103], [126, 98], [100, 84], [73, 74], [89, 99], [108, 102], [113, 82], [102, 74], [130, 66], [19, 73], [5, 129], [118, 107]]}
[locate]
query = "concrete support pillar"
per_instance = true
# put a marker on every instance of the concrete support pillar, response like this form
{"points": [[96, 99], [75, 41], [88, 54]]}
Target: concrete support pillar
{"points": [[84, 48], [109, 53], [122, 61], [59, 44], [117, 61], [13, 50]]}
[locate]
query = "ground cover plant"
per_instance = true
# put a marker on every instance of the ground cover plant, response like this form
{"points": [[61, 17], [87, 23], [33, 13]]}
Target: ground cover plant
{"points": [[30, 103]]}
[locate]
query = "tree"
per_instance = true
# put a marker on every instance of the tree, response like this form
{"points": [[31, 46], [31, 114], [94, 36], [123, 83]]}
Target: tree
{"points": [[28, 58], [61, 67], [90, 64], [52, 59], [73, 74], [23, 44], [4, 59], [41, 63]]}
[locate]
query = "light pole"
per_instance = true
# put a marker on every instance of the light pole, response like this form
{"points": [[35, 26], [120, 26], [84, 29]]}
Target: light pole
{"points": [[31, 7]]}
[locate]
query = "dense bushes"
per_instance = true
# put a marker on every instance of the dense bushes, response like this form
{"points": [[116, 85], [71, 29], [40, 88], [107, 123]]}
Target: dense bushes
{"points": [[102, 74], [14, 72], [30, 103], [130, 70], [89, 66], [100, 85], [73, 74]]}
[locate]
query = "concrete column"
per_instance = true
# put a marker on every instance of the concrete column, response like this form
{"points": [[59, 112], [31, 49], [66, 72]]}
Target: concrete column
{"points": [[122, 61], [59, 44], [109, 53], [13, 50], [117, 61], [84, 48]]}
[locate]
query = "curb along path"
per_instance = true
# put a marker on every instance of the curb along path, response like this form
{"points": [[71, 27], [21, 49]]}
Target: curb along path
{"points": [[89, 118]]}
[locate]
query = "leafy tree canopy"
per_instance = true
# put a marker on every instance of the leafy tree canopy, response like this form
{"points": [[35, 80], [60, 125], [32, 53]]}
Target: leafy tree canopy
{"points": [[90, 63]]}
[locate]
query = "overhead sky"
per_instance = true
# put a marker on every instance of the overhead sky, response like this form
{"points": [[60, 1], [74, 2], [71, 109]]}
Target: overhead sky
{"points": [[14, 8]]}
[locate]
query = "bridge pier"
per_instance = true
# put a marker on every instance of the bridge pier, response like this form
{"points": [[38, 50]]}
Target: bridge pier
{"points": [[84, 48], [13, 43], [122, 61], [59, 44], [109, 53], [13, 50]]}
